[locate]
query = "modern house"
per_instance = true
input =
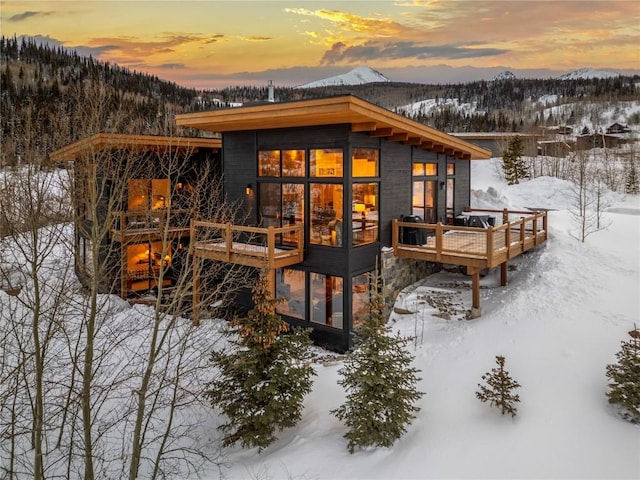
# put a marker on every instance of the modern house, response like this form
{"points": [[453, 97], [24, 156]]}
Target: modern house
{"points": [[136, 196], [327, 193]]}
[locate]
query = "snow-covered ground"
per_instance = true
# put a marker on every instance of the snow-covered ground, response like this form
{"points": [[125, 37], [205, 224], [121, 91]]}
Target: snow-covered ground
{"points": [[558, 322]]}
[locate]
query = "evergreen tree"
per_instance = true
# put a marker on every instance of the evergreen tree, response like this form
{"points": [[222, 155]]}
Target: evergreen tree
{"points": [[631, 183], [624, 379], [498, 389], [380, 384], [265, 375], [513, 165]]}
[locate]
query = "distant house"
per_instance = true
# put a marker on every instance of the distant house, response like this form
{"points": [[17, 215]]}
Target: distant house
{"points": [[599, 140], [554, 148], [617, 128], [559, 130], [498, 142]]}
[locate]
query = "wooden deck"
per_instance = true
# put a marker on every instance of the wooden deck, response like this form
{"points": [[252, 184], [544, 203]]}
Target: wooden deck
{"points": [[475, 248], [136, 226], [268, 248]]}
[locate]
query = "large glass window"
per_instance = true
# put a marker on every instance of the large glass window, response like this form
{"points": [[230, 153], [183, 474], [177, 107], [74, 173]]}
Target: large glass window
{"points": [[451, 188], [293, 163], [424, 200], [326, 214], [290, 286], [326, 300], [144, 262], [364, 162], [148, 194], [269, 163], [325, 162], [364, 208], [270, 213], [282, 204], [363, 290], [425, 169]]}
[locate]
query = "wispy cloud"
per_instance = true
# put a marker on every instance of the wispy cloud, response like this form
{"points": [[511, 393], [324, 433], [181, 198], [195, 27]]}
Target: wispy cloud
{"points": [[132, 46], [20, 17], [341, 53], [349, 22]]}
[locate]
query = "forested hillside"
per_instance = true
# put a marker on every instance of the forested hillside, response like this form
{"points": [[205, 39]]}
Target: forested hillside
{"points": [[47, 95]]}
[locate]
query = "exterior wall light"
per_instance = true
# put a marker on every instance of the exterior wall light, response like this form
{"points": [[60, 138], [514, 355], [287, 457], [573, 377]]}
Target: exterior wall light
{"points": [[248, 190]]}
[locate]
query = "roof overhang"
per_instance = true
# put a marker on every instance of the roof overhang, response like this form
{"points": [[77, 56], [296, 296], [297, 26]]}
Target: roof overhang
{"points": [[139, 143], [347, 109]]}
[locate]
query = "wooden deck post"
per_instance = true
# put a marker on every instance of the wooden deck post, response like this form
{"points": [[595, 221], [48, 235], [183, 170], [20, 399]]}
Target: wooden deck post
{"points": [[475, 292], [439, 241], [271, 271], [394, 234], [505, 216], [503, 274]]}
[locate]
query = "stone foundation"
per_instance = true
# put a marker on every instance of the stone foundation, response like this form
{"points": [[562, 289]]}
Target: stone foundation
{"points": [[398, 273]]}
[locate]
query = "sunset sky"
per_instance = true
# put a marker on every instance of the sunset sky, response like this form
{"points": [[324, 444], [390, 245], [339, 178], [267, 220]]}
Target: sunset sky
{"points": [[215, 44]]}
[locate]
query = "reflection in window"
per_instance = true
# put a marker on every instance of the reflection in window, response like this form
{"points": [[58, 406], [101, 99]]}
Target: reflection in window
{"points": [[451, 168], [326, 300], [425, 169], [361, 297], [269, 163], [451, 185], [364, 208], [424, 200], [326, 214], [293, 163], [365, 162], [269, 205], [144, 262], [290, 287], [148, 194], [326, 162]]}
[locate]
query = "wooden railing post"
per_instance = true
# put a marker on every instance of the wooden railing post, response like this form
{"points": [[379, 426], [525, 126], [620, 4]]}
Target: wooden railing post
{"points": [[489, 234], [439, 240], [505, 216], [228, 240], [544, 224], [535, 229], [507, 239], [522, 234]]}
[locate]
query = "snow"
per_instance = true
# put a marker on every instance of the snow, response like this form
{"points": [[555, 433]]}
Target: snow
{"points": [[558, 322], [357, 76], [505, 75], [585, 73]]}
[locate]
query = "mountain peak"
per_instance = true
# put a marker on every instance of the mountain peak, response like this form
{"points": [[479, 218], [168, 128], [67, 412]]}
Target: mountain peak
{"points": [[585, 73], [357, 76], [506, 75]]}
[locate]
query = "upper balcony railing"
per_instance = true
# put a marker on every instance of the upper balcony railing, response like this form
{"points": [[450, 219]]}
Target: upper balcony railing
{"points": [[270, 247], [471, 246], [134, 225]]}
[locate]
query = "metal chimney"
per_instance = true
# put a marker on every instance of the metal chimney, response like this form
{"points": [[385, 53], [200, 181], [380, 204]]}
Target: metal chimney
{"points": [[271, 96]]}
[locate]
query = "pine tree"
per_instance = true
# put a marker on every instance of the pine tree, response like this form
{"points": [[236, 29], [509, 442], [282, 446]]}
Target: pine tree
{"points": [[513, 165], [498, 389], [264, 377], [380, 384], [624, 379]]}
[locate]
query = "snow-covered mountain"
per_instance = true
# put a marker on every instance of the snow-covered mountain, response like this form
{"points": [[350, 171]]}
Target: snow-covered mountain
{"points": [[585, 73], [357, 76], [506, 75]]}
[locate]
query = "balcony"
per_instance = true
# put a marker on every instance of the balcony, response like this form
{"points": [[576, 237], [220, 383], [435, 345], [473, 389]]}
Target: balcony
{"points": [[136, 226], [475, 248]]}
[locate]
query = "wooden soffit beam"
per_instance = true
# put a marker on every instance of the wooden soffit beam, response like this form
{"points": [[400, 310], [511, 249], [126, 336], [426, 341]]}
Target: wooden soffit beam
{"points": [[413, 141], [363, 127], [399, 137], [448, 152], [382, 132], [438, 148]]}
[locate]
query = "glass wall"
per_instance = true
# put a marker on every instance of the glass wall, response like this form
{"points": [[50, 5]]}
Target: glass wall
{"points": [[326, 300], [290, 286], [325, 162], [451, 191], [148, 194], [365, 162], [362, 294], [326, 226], [364, 211], [425, 191]]}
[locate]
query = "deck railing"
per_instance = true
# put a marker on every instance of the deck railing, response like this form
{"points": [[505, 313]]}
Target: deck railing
{"points": [[474, 247], [135, 223], [270, 247]]}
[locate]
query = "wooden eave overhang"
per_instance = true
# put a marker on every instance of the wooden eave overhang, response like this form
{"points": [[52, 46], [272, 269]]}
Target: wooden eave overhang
{"points": [[105, 141], [363, 116]]}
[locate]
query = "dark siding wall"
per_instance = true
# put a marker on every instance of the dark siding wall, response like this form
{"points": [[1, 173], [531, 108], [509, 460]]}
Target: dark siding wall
{"points": [[240, 167], [462, 195], [395, 186]]}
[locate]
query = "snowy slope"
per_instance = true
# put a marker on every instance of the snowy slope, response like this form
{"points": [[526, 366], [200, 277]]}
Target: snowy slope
{"points": [[559, 322], [584, 73], [506, 75], [357, 76]]}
